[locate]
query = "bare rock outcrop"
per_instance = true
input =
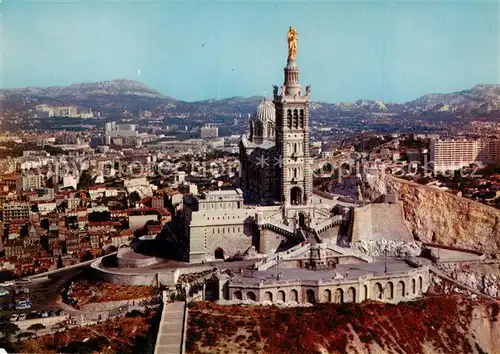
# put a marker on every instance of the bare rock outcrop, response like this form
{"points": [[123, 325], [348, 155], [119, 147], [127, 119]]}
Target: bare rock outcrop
{"points": [[436, 216], [482, 277], [389, 248]]}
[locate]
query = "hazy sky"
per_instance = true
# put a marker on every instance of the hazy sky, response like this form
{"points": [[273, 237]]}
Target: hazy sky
{"points": [[393, 51]]}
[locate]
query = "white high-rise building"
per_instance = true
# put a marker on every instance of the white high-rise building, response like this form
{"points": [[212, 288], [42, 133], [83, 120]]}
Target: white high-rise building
{"points": [[454, 154]]}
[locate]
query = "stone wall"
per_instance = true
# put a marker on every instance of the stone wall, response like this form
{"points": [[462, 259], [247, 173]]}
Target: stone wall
{"points": [[269, 241], [390, 287], [380, 221], [439, 217]]}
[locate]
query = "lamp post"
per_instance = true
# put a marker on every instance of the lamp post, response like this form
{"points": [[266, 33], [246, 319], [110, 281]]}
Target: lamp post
{"points": [[385, 261], [277, 266]]}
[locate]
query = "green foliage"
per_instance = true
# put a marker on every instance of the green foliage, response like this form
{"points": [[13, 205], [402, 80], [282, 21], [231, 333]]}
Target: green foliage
{"points": [[134, 197], [8, 328], [85, 180], [36, 327], [87, 256], [59, 262]]}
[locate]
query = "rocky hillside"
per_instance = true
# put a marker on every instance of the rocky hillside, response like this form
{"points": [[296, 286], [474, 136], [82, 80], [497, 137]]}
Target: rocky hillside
{"points": [[440, 217], [437, 324], [481, 99]]}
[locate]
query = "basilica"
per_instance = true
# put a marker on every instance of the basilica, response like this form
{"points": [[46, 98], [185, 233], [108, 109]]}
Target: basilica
{"points": [[274, 203], [297, 239]]}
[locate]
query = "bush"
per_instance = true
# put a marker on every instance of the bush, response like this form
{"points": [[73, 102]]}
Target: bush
{"points": [[36, 327]]}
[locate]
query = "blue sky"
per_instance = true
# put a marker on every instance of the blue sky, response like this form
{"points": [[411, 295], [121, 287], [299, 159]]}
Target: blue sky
{"points": [[392, 51]]}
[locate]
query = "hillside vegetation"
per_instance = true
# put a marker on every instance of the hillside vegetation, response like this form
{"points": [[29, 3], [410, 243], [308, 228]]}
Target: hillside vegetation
{"points": [[438, 324]]}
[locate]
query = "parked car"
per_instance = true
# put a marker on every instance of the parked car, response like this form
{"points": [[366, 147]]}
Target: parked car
{"points": [[45, 314], [7, 283], [3, 292], [23, 305], [14, 317], [22, 317], [32, 315]]}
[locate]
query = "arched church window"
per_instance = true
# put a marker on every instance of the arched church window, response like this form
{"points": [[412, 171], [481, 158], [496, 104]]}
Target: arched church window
{"points": [[302, 118], [295, 172], [270, 130]]}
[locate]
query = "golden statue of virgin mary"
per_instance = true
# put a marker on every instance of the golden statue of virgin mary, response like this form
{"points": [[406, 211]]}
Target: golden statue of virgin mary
{"points": [[292, 43]]}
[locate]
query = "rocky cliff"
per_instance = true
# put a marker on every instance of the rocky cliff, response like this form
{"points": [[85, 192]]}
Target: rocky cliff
{"points": [[440, 217]]}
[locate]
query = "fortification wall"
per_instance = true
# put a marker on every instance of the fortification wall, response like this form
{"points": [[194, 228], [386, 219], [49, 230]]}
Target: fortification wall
{"points": [[380, 220]]}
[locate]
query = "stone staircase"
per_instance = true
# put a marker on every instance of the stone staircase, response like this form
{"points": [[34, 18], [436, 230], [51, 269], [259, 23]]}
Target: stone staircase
{"points": [[172, 327], [279, 228]]}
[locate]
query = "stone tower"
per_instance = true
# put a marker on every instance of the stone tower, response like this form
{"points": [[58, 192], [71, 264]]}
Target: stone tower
{"points": [[292, 136]]}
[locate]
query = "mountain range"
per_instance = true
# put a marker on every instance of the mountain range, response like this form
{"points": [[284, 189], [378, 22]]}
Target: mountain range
{"points": [[113, 97]]}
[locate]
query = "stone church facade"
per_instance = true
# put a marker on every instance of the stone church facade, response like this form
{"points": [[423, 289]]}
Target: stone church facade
{"points": [[275, 195]]}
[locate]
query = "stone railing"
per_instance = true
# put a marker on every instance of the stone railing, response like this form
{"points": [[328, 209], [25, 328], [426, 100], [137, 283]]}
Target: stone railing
{"points": [[335, 220], [271, 261], [278, 227], [349, 251], [273, 282]]}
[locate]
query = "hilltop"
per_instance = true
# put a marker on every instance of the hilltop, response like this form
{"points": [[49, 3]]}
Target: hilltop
{"points": [[110, 97]]}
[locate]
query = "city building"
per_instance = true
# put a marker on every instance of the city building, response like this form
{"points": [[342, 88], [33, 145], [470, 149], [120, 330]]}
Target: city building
{"points": [[15, 211], [209, 131], [212, 219], [454, 154], [28, 180]]}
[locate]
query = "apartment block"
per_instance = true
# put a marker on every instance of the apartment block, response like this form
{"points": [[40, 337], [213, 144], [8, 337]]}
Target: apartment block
{"points": [[454, 154]]}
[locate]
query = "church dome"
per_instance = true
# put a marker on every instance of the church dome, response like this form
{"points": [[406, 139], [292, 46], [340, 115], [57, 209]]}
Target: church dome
{"points": [[265, 112]]}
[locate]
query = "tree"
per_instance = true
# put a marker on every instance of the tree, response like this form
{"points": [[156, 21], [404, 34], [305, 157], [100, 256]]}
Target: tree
{"points": [[59, 263], [85, 180], [87, 256], [8, 329], [36, 327], [134, 197]]}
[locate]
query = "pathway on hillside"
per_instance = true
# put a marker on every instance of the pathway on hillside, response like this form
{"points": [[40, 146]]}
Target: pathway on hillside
{"points": [[170, 333], [443, 275]]}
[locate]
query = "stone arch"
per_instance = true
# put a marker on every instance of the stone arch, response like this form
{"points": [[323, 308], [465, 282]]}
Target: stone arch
{"points": [[420, 284], [327, 295], [350, 295], [268, 296], [219, 253], [251, 296], [400, 289], [281, 296], [310, 296], [378, 291], [390, 290], [339, 296], [269, 130], [413, 286], [237, 295], [296, 196], [365, 291], [259, 130], [294, 295]]}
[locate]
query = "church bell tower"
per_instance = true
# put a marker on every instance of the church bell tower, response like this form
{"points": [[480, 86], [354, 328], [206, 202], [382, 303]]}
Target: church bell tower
{"points": [[292, 132]]}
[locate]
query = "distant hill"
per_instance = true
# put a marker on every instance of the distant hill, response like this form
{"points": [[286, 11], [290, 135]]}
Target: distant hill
{"points": [[481, 99], [113, 97]]}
